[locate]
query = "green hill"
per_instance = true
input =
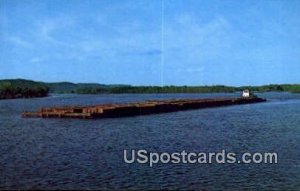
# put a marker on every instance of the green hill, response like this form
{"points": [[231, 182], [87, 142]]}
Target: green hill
{"points": [[68, 87], [19, 88], [61, 87]]}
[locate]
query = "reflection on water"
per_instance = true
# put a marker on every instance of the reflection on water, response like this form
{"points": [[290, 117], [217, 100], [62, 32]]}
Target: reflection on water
{"points": [[88, 154]]}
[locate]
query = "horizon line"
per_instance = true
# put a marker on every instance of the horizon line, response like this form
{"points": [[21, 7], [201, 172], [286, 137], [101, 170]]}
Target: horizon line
{"points": [[136, 85]]}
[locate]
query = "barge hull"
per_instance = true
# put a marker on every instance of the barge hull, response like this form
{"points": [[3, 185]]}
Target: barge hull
{"points": [[139, 108]]}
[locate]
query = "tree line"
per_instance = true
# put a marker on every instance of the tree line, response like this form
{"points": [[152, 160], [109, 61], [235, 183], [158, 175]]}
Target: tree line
{"points": [[10, 89], [188, 89], [20, 88]]}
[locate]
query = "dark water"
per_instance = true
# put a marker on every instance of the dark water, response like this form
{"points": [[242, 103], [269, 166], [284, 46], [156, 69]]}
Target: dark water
{"points": [[88, 154]]}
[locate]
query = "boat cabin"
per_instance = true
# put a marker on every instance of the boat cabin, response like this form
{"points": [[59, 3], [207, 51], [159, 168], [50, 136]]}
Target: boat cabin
{"points": [[246, 93]]}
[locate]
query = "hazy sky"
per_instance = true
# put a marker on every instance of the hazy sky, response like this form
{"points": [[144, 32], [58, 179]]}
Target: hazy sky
{"points": [[231, 42]]}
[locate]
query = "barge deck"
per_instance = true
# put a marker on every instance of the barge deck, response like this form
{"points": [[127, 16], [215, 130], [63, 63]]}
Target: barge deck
{"points": [[138, 108]]}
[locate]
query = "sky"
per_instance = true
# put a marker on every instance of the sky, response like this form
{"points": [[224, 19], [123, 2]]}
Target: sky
{"points": [[151, 42]]}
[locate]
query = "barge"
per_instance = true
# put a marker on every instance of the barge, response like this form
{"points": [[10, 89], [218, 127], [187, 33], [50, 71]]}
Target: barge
{"points": [[138, 108]]}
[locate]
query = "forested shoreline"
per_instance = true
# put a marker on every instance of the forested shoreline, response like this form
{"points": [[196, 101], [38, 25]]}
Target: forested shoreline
{"points": [[20, 88], [12, 89]]}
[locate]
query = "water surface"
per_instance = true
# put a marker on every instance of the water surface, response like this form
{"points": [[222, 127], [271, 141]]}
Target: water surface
{"points": [[88, 154]]}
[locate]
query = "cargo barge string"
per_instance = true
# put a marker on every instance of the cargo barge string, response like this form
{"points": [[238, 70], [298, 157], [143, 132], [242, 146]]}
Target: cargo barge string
{"points": [[138, 108]]}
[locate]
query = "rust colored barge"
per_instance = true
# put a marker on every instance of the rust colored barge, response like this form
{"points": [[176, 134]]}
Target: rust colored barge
{"points": [[139, 108]]}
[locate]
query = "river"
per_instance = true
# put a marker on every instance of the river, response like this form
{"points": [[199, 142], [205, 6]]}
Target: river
{"points": [[88, 154]]}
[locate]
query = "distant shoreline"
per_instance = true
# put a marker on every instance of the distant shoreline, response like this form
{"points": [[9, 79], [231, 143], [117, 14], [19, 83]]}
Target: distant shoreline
{"points": [[21, 88]]}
